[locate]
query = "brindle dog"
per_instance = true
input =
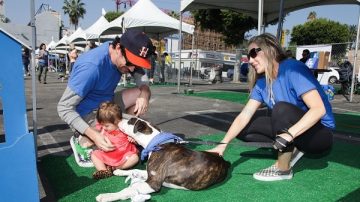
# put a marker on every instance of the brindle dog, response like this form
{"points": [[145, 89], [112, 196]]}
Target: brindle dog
{"points": [[172, 166]]}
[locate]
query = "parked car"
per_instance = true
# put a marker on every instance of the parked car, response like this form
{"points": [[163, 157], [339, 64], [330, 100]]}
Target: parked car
{"points": [[244, 69], [330, 77]]}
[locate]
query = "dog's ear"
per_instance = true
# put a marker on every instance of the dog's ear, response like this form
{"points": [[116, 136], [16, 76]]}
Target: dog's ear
{"points": [[132, 121], [138, 126], [142, 127], [147, 130]]}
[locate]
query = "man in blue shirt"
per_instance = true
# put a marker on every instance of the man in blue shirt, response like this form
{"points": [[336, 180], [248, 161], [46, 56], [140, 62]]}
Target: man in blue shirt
{"points": [[94, 78]]}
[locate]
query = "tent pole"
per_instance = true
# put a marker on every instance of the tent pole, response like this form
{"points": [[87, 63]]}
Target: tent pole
{"points": [[355, 59], [159, 60], [33, 73], [179, 47], [192, 59], [280, 22], [260, 16]]}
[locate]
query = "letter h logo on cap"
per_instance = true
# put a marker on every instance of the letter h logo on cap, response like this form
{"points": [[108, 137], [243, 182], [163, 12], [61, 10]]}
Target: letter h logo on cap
{"points": [[143, 52], [138, 48]]}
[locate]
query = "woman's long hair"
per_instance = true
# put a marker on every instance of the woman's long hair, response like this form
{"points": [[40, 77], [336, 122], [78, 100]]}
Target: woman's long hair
{"points": [[273, 53], [42, 46]]}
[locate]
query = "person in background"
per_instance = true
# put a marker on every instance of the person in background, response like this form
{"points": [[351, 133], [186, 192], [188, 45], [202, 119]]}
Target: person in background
{"points": [[72, 58], [42, 62], [301, 118], [168, 66], [305, 55], [289, 54], [163, 66], [151, 71], [25, 55], [94, 78], [89, 45], [125, 155]]}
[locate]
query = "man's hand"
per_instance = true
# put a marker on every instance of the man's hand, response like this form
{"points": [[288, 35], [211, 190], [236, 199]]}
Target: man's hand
{"points": [[101, 141], [141, 106]]}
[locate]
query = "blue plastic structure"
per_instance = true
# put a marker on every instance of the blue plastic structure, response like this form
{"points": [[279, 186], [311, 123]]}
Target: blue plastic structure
{"points": [[18, 173]]}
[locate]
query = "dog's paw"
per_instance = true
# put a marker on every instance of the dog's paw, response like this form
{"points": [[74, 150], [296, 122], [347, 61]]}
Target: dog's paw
{"points": [[119, 172], [104, 197], [140, 198], [136, 176]]}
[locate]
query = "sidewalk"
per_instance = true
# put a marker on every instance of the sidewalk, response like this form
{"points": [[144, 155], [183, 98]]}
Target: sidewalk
{"points": [[188, 115]]}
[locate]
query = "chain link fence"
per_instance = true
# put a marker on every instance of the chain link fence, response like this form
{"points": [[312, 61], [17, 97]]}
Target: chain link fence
{"points": [[341, 58], [340, 52]]}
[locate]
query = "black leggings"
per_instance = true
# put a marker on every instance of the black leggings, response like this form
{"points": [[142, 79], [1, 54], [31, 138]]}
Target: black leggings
{"points": [[264, 127]]}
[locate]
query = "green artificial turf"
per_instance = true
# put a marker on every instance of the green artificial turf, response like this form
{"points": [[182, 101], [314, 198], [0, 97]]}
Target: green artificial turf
{"points": [[345, 122], [238, 97], [348, 122], [331, 177]]}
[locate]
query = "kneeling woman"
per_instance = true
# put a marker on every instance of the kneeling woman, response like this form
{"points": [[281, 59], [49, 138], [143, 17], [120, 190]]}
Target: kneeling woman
{"points": [[301, 117]]}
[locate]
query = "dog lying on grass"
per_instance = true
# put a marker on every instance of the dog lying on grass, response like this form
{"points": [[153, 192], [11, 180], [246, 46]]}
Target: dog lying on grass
{"points": [[170, 164]]}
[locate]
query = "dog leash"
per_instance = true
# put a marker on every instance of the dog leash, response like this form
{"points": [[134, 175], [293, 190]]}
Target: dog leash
{"points": [[214, 143]]}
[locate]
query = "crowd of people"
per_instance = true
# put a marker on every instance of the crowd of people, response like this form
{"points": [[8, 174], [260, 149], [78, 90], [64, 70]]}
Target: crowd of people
{"points": [[64, 63]]}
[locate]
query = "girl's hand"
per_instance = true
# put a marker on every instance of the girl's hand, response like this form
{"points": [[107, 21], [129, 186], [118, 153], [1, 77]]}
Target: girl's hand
{"points": [[130, 139]]}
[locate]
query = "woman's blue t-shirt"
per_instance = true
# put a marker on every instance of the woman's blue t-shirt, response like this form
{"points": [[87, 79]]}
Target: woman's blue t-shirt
{"points": [[293, 80], [94, 78]]}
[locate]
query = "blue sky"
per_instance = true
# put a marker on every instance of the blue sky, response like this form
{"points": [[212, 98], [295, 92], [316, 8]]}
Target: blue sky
{"points": [[19, 12]]}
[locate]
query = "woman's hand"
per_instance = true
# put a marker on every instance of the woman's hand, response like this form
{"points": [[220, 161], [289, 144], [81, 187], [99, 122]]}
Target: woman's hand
{"points": [[218, 149], [282, 141]]}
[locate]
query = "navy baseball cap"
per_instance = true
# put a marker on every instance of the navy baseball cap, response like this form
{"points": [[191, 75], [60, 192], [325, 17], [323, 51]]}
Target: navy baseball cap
{"points": [[138, 48]]}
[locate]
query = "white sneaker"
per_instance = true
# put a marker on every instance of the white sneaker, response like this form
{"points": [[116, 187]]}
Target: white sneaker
{"points": [[81, 154], [273, 173]]}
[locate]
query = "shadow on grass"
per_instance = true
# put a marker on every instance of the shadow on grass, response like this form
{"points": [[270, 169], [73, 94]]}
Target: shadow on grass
{"points": [[353, 196], [348, 122], [62, 176]]}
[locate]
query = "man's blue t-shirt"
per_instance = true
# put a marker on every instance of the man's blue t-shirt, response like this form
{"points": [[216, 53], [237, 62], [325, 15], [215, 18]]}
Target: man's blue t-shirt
{"points": [[94, 78], [293, 80]]}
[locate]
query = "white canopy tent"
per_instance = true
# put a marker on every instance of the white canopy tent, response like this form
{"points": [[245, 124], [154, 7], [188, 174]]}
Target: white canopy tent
{"points": [[51, 45], [273, 9], [63, 41], [146, 16], [263, 10], [95, 30], [78, 35]]}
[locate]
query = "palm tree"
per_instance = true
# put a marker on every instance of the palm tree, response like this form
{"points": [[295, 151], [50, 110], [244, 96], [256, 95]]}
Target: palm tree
{"points": [[75, 9], [174, 14]]}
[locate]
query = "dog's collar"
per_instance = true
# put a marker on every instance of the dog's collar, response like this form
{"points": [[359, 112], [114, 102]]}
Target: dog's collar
{"points": [[159, 139]]}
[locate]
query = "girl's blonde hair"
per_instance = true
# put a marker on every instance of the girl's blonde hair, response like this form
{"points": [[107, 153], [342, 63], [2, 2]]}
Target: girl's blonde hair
{"points": [[109, 112], [272, 51]]}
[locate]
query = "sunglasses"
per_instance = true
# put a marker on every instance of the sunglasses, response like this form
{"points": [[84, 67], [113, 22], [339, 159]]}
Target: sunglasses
{"points": [[123, 52], [253, 53]]}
